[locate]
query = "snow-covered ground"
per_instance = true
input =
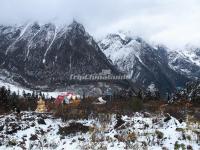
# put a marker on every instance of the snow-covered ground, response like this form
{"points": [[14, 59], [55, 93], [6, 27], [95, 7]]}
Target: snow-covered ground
{"points": [[139, 131], [19, 90]]}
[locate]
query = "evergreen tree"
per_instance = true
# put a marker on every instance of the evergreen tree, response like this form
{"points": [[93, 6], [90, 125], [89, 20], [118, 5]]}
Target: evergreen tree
{"points": [[3, 95], [24, 94]]}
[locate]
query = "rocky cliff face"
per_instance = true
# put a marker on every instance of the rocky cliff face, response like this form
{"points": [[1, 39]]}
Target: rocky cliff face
{"points": [[147, 64], [46, 55], [186, 61]]}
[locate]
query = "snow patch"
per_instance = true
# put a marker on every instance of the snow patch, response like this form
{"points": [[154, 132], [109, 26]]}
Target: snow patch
{"points": [[21, 34], [54, 37]]}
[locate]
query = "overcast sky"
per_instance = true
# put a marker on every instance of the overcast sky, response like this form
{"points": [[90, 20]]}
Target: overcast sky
{"points": [[170, 22]]}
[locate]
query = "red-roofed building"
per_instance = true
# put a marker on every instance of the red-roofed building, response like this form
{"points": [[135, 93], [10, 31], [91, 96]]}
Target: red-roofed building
{"points": [[67, 98]]}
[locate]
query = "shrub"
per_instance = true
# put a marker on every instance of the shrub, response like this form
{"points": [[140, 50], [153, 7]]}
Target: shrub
{"points": [[119, 121], [180, 129], [183, 146], [189, 147], [136, 104], [12, 142], [167, 118], [132, 136], [41, 121], [33, 137], [159, 134], [176, 146], [73, 128], [189, 137]]}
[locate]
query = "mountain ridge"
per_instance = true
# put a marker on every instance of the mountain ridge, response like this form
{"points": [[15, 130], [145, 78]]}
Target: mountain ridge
{"points": [[45, 54], [148, 63]]}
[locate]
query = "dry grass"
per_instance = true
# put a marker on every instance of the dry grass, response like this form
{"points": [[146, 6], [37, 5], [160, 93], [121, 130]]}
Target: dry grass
{"points": [[178, 109]]}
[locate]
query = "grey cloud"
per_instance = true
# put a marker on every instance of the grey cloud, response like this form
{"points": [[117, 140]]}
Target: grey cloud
{"points": [[171, 22]]}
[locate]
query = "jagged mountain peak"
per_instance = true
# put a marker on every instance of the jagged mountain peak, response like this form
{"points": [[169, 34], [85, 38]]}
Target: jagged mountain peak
{"points": [[145, 63], [124, 38], [45, 54], [48, 54], [76, 28], [33, 31], [77, 25], [114, 37], [36, 25]]}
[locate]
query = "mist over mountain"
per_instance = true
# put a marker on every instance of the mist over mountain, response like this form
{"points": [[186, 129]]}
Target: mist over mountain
{"points": [[46, 55], [100, 74], [147, 64], [36, 55], [154, 21]]}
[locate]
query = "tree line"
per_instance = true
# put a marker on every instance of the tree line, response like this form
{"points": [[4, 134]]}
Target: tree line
{"points": [[10, 100]]}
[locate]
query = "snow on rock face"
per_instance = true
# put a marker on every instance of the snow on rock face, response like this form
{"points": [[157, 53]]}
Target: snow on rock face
{"points": [[48, 55], [193, 53], [136, 132], [26, 34], [118, 49], [186, 61], [152, 88], [143, 62], [8, 34]]}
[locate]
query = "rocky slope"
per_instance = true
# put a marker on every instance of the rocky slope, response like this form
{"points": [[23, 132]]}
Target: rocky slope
{"points": [[147, 64], [186, 61], [46, 55]]}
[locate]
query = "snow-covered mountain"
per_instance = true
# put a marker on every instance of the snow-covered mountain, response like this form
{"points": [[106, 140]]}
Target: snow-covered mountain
{"points": [[147, 64], [186, 61], [46, 55]]}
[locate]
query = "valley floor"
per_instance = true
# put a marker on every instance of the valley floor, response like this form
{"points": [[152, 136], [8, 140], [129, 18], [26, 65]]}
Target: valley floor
{"points": [[140, 131]]}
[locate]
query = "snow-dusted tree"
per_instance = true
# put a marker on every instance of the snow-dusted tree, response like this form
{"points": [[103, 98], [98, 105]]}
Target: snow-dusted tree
{"points": [[152, 93]]}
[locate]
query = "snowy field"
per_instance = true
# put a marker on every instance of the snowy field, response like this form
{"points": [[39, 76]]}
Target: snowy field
{"points": [[141, 131], [18, 89]]}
